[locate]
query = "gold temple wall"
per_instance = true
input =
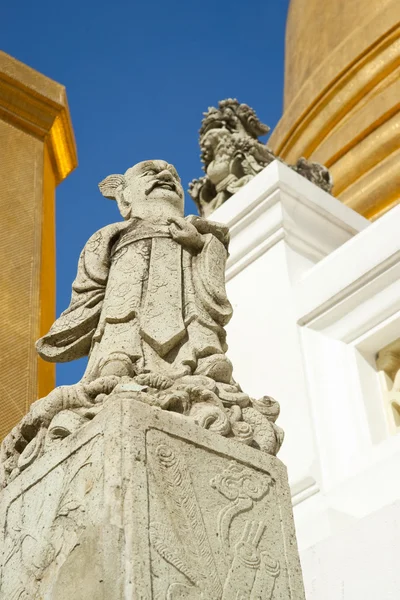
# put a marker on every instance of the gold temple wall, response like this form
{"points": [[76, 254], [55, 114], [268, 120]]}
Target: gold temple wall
{"points": [[47, 300], [342, 97], [38, 152]]}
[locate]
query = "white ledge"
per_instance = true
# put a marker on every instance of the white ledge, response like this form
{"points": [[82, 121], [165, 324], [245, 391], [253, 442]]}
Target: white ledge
{"points": [[361, 269], [279, 204]]}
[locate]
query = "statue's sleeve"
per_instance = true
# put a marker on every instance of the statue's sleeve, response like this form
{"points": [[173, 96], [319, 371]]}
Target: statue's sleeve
{"points": [[70, 337], [209, 271]]}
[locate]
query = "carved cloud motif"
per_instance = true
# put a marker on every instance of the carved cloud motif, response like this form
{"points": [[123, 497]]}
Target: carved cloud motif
{"points": [[238, 482]]}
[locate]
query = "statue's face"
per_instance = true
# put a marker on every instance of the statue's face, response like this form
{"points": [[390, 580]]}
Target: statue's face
{"points": [[210, 142], [154, 182]]}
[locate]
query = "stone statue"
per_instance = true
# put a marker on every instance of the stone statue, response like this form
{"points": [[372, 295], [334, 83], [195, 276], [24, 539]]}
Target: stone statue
{"points": [[232, 155], [148, 307]]}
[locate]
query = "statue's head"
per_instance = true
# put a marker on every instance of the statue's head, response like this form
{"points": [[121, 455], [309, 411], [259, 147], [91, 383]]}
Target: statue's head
{"points": [[149, 190], [235, 117], [220, 124], [215, 142]]}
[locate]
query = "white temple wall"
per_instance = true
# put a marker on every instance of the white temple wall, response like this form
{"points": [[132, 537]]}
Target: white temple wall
{"points": [[316, 294]]}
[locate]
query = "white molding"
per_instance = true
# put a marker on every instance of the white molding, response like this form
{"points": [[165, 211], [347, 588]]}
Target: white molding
{"points": [[309, 489], [278, 204], [357, 272], [316, 293]]}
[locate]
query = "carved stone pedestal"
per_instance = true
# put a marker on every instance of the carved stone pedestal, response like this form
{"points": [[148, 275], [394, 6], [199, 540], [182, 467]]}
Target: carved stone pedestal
{"points": [[142, 504]]}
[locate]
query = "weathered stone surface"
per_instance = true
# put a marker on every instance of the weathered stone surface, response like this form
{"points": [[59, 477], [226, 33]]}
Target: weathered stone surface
{"points": [[232, 155], [149, 307], [124, 485], [143, 504]]}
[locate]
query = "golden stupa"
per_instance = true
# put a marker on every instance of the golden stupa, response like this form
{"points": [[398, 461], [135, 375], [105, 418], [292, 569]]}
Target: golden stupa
{"points": [[342, 97]]}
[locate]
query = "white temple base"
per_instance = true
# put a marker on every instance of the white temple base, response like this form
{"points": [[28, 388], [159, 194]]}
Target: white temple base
{"points": [[315, 289]]}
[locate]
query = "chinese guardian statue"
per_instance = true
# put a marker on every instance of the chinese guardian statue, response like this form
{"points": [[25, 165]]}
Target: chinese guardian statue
{"points": [[148, 307]]}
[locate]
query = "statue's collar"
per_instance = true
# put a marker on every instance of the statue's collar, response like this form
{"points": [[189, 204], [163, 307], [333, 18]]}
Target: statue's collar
{"points": [[139, 229]]}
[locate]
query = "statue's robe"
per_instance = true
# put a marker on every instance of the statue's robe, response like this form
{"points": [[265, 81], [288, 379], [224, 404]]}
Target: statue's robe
{"points": [[140, 294]]}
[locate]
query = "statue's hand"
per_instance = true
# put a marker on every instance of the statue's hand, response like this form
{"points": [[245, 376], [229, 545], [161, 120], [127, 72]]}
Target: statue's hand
{"points": [[195, 187], [186, 234]]}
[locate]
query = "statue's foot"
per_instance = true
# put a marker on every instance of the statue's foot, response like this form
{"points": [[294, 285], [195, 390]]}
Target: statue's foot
{"points": [[101, 386], [154, 380], [117, 364], [217, 366]]}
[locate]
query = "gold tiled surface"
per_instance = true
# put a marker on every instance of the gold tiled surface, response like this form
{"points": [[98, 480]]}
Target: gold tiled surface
{"points": [[38, 84], [21, 176], [39, 106], [47, 291], [38, 151], [316, 29], [342, 91]]}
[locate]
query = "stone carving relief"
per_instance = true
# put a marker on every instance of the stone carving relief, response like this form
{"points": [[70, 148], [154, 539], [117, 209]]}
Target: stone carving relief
{"points": [[232, 155], [149, 308], [183, 541], [142, 503], [42, 530]]}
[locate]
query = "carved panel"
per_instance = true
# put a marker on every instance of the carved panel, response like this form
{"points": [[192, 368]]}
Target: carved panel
{"points": [[214, 526], [44, 525]]}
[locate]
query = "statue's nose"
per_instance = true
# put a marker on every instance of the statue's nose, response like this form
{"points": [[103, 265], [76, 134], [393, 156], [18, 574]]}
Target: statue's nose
{"points": [[164, 175]]}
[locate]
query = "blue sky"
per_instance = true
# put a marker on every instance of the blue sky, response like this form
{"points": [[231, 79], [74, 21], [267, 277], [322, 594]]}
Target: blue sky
{"points": [[138, 77]]}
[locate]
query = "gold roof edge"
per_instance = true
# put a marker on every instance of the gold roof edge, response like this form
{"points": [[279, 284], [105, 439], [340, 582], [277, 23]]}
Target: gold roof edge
{"points": [[38, 105]]}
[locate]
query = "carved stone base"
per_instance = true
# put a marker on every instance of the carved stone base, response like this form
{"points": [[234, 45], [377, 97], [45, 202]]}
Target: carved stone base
{"points": [[143, 504]]}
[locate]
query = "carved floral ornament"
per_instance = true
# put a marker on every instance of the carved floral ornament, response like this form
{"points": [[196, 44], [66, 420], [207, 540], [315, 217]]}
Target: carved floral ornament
{"points": [[149, 308], [232, 155]]}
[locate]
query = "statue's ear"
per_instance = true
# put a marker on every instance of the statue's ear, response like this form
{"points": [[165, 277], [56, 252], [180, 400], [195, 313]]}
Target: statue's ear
{"points": [[112, 187], [124, 206]]}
